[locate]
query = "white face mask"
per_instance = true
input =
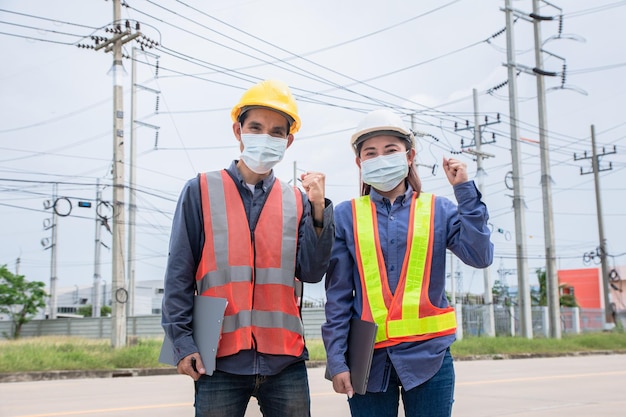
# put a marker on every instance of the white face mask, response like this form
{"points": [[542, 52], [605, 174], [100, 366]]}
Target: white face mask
{"points": [[262, 152], [385, 172]]}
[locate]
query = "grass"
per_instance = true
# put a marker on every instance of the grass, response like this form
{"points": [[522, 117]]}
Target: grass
{"points": [[53, 353], [589, 342]]}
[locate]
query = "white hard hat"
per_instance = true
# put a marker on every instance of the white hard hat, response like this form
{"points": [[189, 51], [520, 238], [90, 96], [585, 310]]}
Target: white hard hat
{"points": [[381, 122]]}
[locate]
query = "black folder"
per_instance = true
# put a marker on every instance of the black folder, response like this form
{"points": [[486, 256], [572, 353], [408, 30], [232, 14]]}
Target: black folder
{"points": [[208, 315], [361, 339]]}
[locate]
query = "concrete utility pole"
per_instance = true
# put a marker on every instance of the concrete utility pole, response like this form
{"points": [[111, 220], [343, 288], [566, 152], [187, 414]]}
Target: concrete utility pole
{"points": [[97, 278], [119, 293], [489, 320], [132, 195], [53, 253], [132, 181], [608, 310], [552, 284], [518, 198], [609, 320], [475, 148]]}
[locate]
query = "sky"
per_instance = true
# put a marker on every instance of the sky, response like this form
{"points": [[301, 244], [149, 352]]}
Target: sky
{"points": [[342, 59]]}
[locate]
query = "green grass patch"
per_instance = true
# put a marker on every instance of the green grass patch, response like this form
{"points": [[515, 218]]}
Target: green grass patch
{"points": [[589, 342], [53, 353]]}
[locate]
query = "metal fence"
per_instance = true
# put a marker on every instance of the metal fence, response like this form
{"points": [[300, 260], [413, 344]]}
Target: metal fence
{"points": [[573, 320], [140, 326], [507, 323]]}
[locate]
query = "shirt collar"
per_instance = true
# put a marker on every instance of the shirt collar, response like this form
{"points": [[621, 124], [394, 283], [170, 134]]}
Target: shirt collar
{"points": [[403, 199], [234, 172]]}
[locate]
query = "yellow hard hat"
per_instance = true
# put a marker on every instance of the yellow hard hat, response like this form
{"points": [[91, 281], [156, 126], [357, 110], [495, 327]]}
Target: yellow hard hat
{"points": [[274, 95], [381, 122]]}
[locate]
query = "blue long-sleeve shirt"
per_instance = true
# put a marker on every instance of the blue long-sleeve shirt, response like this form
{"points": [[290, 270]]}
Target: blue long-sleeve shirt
{"points": [[462, 229], [186, 242]]}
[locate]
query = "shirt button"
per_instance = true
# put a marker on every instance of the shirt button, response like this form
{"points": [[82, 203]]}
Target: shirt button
{"points": [[393, 241], [392, 268], [391, 218]]}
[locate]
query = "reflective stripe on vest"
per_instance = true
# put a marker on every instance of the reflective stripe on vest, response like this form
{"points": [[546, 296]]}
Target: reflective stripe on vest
{"points": [[254, 271], [407, 315]]}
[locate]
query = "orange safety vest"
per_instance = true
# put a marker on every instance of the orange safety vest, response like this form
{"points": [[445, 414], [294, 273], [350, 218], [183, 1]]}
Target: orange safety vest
{"points": [[253, 270], [408, 315]]}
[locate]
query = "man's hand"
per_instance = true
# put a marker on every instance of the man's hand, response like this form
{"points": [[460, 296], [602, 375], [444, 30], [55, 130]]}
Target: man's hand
{"points": [[314, 186], [191, 365], [342, 384], [455, 170]]}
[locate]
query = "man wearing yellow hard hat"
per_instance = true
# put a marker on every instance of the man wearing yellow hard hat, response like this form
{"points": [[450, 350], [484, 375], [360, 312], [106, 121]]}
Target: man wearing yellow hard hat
{"points": [[243, 235]]}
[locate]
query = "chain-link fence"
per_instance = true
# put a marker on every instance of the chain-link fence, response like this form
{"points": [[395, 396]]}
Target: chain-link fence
{"points": [[507, 323]]}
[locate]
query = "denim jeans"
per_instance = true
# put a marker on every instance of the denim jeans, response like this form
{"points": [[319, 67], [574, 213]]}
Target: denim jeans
{"points": [[433, 398], [227, 395]]}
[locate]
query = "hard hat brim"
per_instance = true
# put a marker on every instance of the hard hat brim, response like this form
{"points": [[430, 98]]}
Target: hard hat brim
{"points": [[362, 136]]}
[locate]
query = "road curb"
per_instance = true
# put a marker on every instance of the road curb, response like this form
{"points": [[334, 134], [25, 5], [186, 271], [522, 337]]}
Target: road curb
{"points": [[132, 372]]}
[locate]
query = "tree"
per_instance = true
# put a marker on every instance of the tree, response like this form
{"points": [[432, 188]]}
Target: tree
{"points": [[500, 293], [85, 311], [20, 299], [541, 297]]}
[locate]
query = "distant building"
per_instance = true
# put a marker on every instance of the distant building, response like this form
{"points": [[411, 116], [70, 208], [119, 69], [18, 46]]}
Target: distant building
{"points": [[148, 298], [588, 288]]}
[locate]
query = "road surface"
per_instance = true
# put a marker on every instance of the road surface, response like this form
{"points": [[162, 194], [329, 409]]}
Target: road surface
{"points": [[580, 386]]}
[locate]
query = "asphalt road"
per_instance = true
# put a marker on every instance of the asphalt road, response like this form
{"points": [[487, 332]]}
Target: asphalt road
{"points": [[581, 386]]}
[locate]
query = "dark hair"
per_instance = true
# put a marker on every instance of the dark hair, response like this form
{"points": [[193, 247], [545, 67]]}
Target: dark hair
{"points": [[244, 115]]}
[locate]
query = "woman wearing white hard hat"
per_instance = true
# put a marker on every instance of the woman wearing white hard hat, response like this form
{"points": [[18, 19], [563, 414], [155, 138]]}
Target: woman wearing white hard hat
{"points": [[388, 267]]}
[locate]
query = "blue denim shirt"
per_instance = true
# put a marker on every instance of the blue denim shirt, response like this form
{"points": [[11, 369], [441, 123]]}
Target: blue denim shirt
{"points": [[462, 229], [186, 242]]}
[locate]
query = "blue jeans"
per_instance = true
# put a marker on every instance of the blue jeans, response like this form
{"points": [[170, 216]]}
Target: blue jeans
{"points": [[227, 395], [433, 398]]}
